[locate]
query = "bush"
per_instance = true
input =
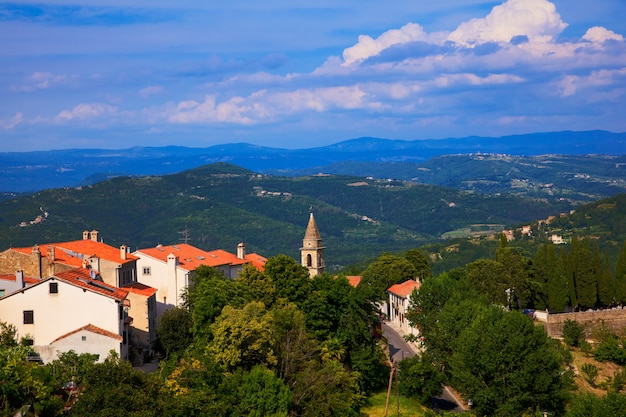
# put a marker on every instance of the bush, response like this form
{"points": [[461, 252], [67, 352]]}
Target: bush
{"points": [[573, 333], [611, 351]]}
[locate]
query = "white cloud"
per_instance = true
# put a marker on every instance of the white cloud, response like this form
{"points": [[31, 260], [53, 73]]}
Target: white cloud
{"points": [[536, 19], [600, 34], [86, 111], [367, 46], [12, 122]]}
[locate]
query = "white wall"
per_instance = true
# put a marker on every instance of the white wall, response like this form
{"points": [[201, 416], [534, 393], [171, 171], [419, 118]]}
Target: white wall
{"points": [[58, 314]]}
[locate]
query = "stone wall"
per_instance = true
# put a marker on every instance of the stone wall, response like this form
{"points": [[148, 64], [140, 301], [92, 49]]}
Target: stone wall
{"points": [[12, 261], [614, 319]]}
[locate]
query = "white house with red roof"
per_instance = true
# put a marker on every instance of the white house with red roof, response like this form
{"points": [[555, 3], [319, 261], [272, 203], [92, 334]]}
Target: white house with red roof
{"points": [[70, 311], [399, 301], [171, 268]]}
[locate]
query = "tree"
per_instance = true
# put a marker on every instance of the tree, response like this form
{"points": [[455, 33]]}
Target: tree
{"points": [[386, 271], [573, 333], [420, 379], [257, 285], [488, 278], [508, 366], [174, 330], [243, 337], [291, 279], [114, 388], [259, 393], [420, 263]]}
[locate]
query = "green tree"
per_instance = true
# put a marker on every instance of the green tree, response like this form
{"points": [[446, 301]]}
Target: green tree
{"points": [[488, 278], [420, 379], [573, 333], [584, 277], [384, 272], [291, 279], [550, 272], [257, 285], [420, 262], [174, 330], [589, 405], [259, 393], [508, 366], [114, 388], [243, 337]]}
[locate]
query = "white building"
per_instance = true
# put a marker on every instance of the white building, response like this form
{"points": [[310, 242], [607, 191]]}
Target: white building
{"points": [[170, 269], [399, 302], [69, 311]]}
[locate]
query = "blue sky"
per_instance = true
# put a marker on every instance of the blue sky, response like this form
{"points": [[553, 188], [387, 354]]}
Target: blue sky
{"points": [[288, 73]]}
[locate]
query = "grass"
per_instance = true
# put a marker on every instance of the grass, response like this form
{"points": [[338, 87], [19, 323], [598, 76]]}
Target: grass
{"points": [[376, 406]]}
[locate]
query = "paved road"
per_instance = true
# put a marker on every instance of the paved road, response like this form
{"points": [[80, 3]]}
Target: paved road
{"points": [[399, 349]]}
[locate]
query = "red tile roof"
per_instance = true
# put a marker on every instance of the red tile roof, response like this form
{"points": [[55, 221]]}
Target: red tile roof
{"points": [[404, 289], [257, 260], [72, 253], [354, 280], [28, 280], [139, 288], [93, 329], [81, 277], [190, 257]]}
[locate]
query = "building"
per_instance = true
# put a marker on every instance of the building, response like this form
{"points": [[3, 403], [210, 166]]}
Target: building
{"points": [[12, 282], [143, 313], [116, 266], [170, 269], [70, 311], [312, 251], [399, 302]]}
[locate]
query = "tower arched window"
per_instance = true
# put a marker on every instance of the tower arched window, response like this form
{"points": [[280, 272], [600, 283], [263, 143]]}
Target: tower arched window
{"points": [[309, 260]]}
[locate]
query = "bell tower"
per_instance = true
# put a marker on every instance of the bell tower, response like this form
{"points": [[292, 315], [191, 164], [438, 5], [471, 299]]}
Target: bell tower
{"points": [[312, 250]]}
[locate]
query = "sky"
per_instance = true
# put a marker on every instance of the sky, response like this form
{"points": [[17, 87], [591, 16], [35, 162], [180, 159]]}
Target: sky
{"points": [[115, 74]]}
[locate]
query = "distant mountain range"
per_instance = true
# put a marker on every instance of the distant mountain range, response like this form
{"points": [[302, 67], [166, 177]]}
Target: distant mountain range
{"points": [[23, 172]]}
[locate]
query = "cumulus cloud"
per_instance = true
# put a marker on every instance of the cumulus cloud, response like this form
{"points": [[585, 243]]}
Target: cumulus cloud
{"points": [[538, 20], [600, 34], [86, 111], [367, 46]]}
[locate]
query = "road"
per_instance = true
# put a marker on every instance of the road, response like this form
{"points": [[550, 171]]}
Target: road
{"points": [[400, 349]]}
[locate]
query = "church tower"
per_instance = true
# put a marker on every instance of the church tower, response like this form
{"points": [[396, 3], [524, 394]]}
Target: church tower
{"points": [[312, 250]]}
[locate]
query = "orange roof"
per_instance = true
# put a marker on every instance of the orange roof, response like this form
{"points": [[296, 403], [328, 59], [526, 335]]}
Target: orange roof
{"points": [[90, 328], [190, 257], [27, 280], [257, 260], [72, 253], [81, 277], [354, 280], [404, 289], [141, 289]]}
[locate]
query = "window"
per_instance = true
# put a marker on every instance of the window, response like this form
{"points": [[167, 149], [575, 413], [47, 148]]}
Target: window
{"points": [[83, 338], [2, 291], [54, 288], [29, 317], [146, 270], [28, 341]]}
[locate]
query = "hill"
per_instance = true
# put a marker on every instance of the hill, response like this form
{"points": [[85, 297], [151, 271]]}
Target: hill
{"points": [[383, 158], [222, 204]]}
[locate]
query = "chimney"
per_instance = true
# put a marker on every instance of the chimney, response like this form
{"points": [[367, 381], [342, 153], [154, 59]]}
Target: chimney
{"points": [[19, 278], [36, 250], [241, 251], [50, 253], [123, 252], [86, 235], [94, 235]]}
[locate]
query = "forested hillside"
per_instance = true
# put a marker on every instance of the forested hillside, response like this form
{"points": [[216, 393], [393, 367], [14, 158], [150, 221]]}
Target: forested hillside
{"points": [[221, 205]]}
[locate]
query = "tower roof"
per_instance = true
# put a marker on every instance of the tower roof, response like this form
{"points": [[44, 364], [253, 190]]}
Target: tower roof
{"points": [[312, 231]]}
